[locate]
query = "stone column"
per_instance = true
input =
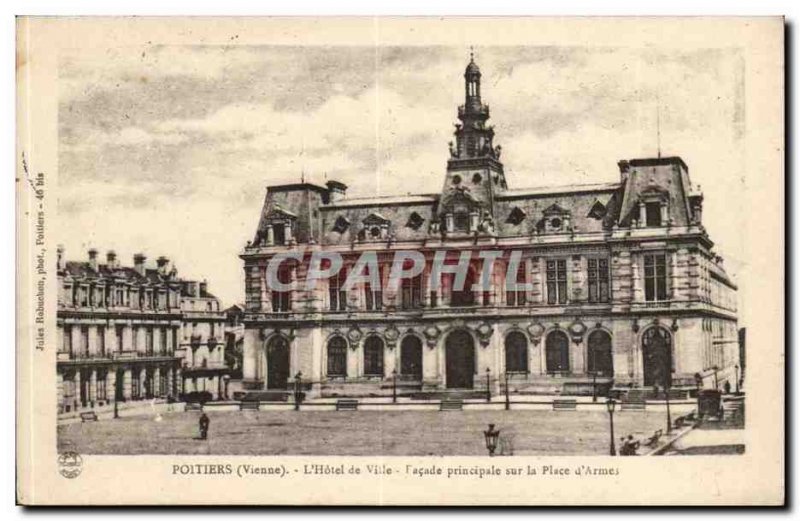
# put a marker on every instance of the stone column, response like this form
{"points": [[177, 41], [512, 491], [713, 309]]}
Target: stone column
{"points": [[170, 381], [642, 215], [60, 391], [638, 291], [270, 235], [111, 384], [142, 382], [157, 382], [93, 386], [77, 380]]}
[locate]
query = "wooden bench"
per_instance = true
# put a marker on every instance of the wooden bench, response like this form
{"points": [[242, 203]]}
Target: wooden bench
{"points": [[633, 405], [249, 405], [346, 405], [652, 440], [89, 416], [565, 405], [194, 406], [451, 405]]}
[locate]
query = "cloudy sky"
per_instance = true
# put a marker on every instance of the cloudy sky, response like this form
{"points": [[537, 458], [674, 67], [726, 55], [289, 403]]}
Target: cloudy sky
{"points": [[168, 149]]}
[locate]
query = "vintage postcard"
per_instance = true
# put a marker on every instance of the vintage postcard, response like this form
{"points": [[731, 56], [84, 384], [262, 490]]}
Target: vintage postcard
{"points": [[400, 261]]}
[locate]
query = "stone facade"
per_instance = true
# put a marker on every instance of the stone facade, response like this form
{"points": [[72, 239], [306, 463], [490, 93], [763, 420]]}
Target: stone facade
{"points": [[121, 329], [623, 286]]}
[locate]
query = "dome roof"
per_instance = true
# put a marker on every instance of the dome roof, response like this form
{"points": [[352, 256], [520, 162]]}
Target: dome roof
{"points": [[472, 68]]}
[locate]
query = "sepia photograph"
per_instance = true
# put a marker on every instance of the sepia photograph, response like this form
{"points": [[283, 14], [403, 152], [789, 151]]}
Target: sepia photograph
{"points": [[272, 239]]}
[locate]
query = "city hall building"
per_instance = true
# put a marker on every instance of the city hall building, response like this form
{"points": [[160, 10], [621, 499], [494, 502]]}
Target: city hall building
{"points": [[622, 284]]}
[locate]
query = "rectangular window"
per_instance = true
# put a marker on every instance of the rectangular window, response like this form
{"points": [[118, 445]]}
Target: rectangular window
{"points": [[373, 296], [84, 341], [281, 300], [411, 292], [135, 389], [67, 347], [162, 345], [119, 331], [148, 341], [652, 214], [598, 280], [518, 297], [279, 233], [174, 340], [101, 340], [557, 281], [655, 277], [337, 296], [101, 385]]}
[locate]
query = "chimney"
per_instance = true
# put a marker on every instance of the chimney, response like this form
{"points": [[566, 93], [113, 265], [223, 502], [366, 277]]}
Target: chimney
{"points": [[203, 288], [60, 257], [192, 288], [138, 263], [93, 259], [162, 263], [111, 259], [336, 191]]}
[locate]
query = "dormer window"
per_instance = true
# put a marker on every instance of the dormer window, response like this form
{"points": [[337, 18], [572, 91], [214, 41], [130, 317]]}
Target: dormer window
{"points": [[415, 221], [278, 227], [556, 219], [279, 233], [375, 227], [652, 214], [461, 219], [516, 216], [341, 225], [598, 210]]}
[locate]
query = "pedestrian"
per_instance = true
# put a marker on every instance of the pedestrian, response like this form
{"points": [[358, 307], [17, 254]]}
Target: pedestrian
{"points": [[204, 422], [631, 446]]}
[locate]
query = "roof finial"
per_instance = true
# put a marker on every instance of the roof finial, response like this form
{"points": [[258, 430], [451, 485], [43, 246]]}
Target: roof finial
{"points": [[658, 125], [471, 54]]}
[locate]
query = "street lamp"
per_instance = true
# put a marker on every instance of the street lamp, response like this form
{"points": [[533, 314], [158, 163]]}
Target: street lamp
{"points": [[736, 367], [666, 396], [508, 402], [611, 404], [488, 387], [297, 381], [594, 375], [394, 386], [716, 381], [491, 437]]}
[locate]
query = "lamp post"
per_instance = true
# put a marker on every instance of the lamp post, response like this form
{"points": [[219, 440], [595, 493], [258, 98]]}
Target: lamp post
{"points": [[594, 375], [611, 404], [716, 381], [394, 386], [508, 401], [488, 387], [736, 367], [669, 417], [297, 381], [491, 437], [116, 408]]}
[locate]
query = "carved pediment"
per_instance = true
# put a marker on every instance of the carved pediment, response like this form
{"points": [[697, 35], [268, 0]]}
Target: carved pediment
{"points": [[279, 214], [555, 209], [376, 219]]}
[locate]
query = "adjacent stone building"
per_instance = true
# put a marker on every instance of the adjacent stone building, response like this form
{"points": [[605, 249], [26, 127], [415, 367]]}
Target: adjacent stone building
{"points": [[625, 287], [121, 332]]}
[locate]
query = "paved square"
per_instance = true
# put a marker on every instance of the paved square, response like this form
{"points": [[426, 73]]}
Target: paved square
{"points": [[393, 433]]}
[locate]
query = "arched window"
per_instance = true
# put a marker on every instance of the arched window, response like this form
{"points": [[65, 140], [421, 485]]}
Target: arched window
{"points": [[516, 353], [657, 354], [557, 352], [411, 357], [373, 356], [600, 358], [337, 356]]}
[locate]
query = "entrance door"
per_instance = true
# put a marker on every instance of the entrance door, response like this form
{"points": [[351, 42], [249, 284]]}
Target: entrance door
{"points": [[460, 360], [557, 352], [657, 354], [411, 358], [277, 363]]}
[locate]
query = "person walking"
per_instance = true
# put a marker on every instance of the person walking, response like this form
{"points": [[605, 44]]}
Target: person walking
{"points": [[204, 422]]}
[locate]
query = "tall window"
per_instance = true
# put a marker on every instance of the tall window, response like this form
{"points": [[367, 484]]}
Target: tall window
{"points": [[148, 341], [119, 331], [557, 281], [600, 360], [517, 297], [67, 346], [101, 340], [373, 356], [337, 356], [516, 353], [460, 218], [101, 384], [281, 300], [373, 296], [652, 212], [411, 293], [84, 340], [135, 385], [162, 344], [598, 280], [655, 277], [337, 296], [279, 233]]}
